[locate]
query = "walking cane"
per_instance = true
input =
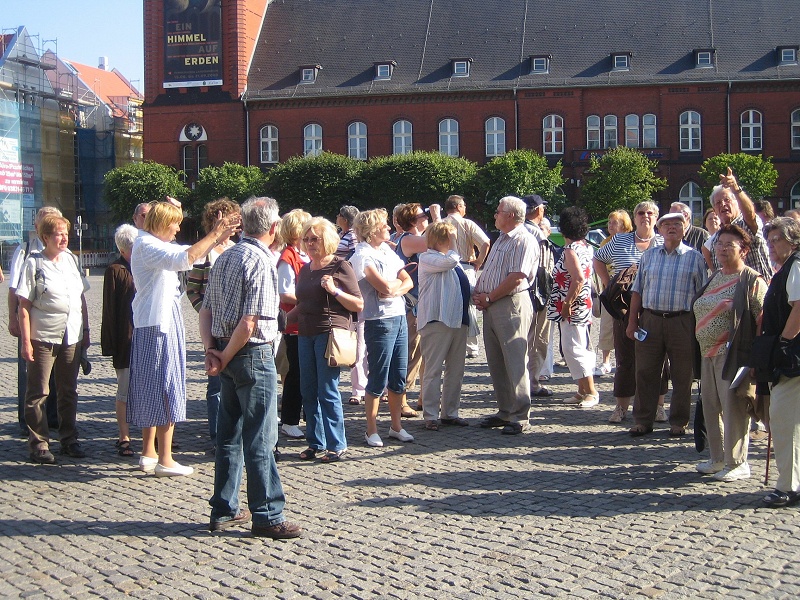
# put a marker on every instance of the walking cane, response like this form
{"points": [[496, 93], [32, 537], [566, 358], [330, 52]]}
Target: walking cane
{"points": [[769, 445]]}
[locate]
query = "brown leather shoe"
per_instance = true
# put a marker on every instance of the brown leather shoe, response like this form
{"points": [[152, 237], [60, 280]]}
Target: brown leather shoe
{"points": [[243, 517], [281, 531]]}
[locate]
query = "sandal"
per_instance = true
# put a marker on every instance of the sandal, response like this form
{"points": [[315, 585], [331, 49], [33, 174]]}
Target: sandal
{"points": [[677, 431], [354, 400], [332, 457], [309, 454], [124, 448], [407, 412], [432, 425]]}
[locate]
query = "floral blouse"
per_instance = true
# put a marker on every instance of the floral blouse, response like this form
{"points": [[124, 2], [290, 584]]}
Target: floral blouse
{"points": [[582, 306]]}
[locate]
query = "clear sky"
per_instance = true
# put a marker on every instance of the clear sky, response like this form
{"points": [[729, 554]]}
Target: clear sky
{"points": [[85, 30]]}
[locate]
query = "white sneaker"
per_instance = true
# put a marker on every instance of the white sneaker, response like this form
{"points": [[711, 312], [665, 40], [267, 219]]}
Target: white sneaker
{"points": [[589, 401], [618, 415], [736, 473], [603, 369], [661, 415], [176, 471], [292, 431], [373, 440], [148, 465], [709, 468], [401, 435]]}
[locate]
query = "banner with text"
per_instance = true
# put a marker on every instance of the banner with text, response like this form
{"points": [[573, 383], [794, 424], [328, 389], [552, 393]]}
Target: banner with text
{"points": [[193, 43]]}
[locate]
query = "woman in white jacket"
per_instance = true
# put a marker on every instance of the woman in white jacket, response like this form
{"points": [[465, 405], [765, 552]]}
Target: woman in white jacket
{"points": [[443, 322]]}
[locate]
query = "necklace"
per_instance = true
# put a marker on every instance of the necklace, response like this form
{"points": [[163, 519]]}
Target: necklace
{"points": [[642, 239]]}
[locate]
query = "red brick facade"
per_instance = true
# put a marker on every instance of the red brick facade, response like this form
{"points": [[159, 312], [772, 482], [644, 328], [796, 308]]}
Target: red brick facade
{"points": [[225, 117]]}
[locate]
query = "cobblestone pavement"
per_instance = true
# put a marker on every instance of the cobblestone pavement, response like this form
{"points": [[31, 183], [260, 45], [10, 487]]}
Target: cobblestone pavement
{"points": [[576, 508]]}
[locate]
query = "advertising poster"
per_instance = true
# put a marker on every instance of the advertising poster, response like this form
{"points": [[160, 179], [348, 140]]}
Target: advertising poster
{"points": [[193, 43]]}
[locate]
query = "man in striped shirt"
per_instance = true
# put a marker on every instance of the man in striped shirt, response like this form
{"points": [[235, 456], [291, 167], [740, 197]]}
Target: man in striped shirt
{"points": [[501, 293], [661, 321]]}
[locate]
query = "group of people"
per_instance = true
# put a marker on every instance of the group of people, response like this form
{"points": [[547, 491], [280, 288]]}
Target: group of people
{"points": [[269, 304]]}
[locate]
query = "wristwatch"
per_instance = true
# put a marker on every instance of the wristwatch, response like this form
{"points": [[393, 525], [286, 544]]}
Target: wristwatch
{"points": [[488, 300]]}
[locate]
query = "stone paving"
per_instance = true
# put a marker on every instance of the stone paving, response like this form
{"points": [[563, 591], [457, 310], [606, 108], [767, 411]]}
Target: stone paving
{"points": [[574, 509]]}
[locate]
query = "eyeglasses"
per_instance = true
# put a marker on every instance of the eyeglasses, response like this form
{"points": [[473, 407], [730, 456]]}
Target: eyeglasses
{"points": [[421, 216], [727, 245], [311, 240], [774, 240], [649, 213], [497, 212]]}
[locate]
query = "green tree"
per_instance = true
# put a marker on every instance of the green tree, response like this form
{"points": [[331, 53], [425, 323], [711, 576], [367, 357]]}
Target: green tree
{"points": [[131, 184], [755, 174], [237, 182], [424, 177], [318, 184], [517, 173], [621, 178]]}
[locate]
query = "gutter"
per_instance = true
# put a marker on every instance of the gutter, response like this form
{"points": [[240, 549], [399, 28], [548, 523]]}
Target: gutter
{"points": [[728, 115]]}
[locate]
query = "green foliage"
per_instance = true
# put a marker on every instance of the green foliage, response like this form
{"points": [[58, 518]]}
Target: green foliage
{"points": [[518, 173], [621, 178], [424, 177], [318, 184], [754, 173], [131, 184], [237, 182]]}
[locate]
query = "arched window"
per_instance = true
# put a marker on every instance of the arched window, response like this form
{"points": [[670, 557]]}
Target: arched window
{"points": [[495, 136], [632, 131], [357, 140], [691, 197], [269, 144], [448, 137], [690, 131], [553, 134], [751, 130], [649, 136], [312, 139], [794, 196], [402, 137], [592, 132], [610, 131], [796, 130]]}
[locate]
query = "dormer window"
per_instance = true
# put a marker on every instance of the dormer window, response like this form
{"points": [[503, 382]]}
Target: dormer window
{"points": [[704, 58], [540, 64], [384, 70], [461, 67], [308, 73], [787, 55], [621, 61]]}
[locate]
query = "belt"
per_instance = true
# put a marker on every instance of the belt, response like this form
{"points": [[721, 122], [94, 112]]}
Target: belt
{"points": [[667, 314], [467, 263], [221, 343]]}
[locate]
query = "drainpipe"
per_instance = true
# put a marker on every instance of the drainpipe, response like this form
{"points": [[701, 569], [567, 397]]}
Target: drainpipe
{"points": [[246, 129], [728, 115], [516, 120]]}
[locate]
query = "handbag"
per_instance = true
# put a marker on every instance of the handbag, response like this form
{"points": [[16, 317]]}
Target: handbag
{"points": [[342, 343], [616, 297]]}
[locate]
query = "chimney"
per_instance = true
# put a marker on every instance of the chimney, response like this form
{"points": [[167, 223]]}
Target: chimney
{"points": [[103, 63]]}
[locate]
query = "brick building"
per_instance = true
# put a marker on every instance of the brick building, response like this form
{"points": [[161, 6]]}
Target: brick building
{"points": [[257, 82]]}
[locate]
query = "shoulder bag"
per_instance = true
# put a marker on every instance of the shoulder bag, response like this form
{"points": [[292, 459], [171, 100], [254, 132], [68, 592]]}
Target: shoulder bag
{"points": [[342, 343]]}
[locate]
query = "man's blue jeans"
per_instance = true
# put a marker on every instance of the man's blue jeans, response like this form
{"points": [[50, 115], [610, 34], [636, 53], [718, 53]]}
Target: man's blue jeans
{"points": [[322, 402], [212, 404], [247, 430]]}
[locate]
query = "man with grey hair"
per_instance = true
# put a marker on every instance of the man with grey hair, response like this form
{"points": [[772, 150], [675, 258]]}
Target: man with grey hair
{"points": [[238, 326], [693, 236], [23, 251], [733, 205], [501, 293]]}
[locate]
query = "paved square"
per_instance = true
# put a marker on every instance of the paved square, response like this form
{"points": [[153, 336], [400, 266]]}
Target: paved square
{"points": [[576, 508]]}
